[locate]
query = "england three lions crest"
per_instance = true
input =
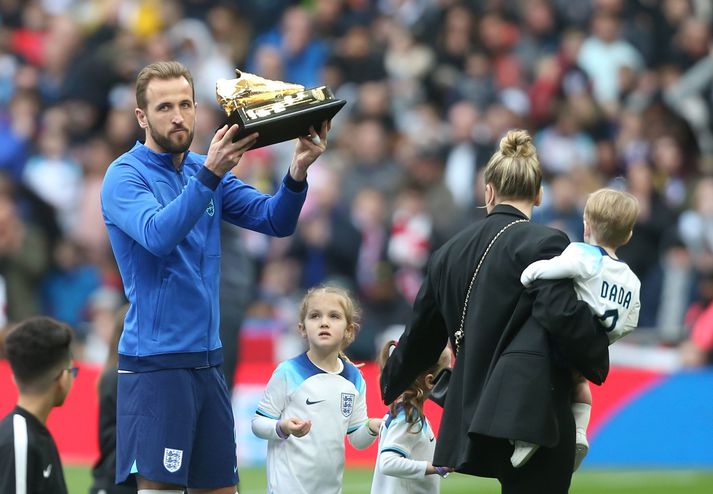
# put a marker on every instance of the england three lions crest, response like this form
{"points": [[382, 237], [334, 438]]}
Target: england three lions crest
{"points": [[172, 459], [347, 404]]}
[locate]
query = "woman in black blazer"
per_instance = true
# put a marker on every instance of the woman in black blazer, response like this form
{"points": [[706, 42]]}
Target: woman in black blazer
{"points": [[512, 375]]}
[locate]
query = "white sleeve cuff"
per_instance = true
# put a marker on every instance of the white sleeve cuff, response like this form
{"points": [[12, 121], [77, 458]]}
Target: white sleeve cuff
{"points": [[264, 427]]}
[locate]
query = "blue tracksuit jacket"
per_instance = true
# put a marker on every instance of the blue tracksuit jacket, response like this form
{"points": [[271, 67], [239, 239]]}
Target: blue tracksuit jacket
{"points": [[164, 228]]}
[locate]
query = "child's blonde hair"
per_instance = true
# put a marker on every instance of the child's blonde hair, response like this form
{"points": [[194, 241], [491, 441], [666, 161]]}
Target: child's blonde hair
{"points": [[415, 396], [349, 306], [611, 215]]}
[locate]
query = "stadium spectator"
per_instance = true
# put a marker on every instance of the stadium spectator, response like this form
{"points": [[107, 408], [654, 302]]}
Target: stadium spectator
{"points": [[603, 55], [303, 55], [697, 347], [654, 233], [39, 352], [68, 287], [562, 209], [695, 226], [23, 260]]}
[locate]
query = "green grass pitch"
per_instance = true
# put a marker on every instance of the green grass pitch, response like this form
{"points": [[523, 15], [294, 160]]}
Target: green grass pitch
{"points": [[358, 481]]}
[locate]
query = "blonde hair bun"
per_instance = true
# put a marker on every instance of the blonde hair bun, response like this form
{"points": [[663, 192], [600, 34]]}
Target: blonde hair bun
{"points": [[517, 143]]}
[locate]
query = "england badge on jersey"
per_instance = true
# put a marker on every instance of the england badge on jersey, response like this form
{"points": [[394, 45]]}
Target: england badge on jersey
{"points": [[347, 404], [172, 459]]}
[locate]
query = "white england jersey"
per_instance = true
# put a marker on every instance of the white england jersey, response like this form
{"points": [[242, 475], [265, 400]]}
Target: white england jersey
{"points": [[336, 405], [607, 285], [403, 457]]}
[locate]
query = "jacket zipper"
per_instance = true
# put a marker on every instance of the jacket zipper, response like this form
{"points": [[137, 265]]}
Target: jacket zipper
{"points": [[202, 265]]}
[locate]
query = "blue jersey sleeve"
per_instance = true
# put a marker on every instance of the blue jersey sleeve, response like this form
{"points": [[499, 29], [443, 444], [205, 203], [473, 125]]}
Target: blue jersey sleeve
{"points": [[129, 204], [275, 215]]}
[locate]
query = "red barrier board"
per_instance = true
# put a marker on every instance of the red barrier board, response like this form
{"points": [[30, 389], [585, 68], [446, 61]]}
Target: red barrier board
{"points": [[75, 425]]}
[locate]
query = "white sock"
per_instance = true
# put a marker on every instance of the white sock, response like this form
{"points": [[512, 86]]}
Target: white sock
{"points": [[581, 412], [158, 491]]}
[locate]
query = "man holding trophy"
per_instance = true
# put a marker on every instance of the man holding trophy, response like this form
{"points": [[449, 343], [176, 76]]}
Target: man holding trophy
{"points": [[162, 205]]}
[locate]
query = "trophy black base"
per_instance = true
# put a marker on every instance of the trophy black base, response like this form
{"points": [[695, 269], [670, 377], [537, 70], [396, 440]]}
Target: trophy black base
{"points": [[285, 118]]}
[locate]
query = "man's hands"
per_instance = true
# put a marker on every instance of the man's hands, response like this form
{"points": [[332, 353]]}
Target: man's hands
{"points": [[294, 426], [308, 149], [223, 153]]}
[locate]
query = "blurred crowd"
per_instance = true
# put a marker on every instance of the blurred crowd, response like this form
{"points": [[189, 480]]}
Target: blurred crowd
{"points": [[616, 93]]}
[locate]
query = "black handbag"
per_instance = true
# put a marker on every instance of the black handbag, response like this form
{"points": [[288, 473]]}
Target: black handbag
{"points": [[440, 382], [440, 387]]}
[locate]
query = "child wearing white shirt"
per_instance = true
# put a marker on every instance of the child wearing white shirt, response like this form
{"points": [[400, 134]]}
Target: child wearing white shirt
{"points": [[606, 283], [313, 400], [407, 441]]}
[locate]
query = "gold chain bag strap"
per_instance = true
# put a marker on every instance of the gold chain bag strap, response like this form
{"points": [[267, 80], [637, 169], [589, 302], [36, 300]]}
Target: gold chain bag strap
{"points": [[440, 383]]}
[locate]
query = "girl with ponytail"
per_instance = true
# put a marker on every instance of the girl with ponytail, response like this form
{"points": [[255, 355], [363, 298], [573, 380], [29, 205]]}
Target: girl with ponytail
{"points": [[406, 439]]}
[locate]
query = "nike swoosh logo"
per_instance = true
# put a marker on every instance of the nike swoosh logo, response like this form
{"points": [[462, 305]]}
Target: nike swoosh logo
{"points": [[313, 402], [46, 472], [432, 439]]}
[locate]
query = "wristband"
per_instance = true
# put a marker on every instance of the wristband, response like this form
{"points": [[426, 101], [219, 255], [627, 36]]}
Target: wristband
{"points": [[442, 471], [280, 433]]}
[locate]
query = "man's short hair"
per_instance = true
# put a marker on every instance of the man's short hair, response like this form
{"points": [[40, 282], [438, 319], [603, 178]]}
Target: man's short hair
{"points": [[36, 348], [611, 215], [160, 70]]}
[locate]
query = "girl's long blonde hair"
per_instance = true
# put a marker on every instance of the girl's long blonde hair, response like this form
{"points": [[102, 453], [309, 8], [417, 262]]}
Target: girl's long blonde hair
{"points": [[413, 399]]}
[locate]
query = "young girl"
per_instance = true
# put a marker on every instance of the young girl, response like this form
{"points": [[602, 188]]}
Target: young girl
{"points": [[313, 400], [406, 440]]}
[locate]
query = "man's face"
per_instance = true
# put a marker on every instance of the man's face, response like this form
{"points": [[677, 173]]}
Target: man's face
{"points": [[170, 115]]}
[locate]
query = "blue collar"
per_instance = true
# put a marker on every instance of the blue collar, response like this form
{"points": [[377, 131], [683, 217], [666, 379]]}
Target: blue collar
{"points": [[606, 254], [160, 159]]}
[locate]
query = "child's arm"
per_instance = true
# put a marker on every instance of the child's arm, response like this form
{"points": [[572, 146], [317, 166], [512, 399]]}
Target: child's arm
{"points": [[364, 435], [397, 442], [268, 428], [267, 422], [362, 430], [577, 260], [395, 464]]}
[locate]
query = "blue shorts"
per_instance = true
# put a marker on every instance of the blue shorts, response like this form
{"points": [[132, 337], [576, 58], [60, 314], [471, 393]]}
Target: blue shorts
{"points": [[176, 426]]}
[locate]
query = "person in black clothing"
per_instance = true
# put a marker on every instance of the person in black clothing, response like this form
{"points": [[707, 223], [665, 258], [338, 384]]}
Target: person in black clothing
{"points": [[104, 470], [38, 350], [515, 346]]}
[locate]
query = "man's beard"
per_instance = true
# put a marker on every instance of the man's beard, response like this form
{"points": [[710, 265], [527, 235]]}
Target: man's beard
{"points": [[169, 146]]}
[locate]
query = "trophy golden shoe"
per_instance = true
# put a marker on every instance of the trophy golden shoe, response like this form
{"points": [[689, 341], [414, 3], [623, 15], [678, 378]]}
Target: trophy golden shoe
{"points": [[278, 111]]}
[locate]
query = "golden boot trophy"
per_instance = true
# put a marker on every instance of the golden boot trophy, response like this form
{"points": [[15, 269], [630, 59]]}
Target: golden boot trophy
{"points": [[278, 111]]}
